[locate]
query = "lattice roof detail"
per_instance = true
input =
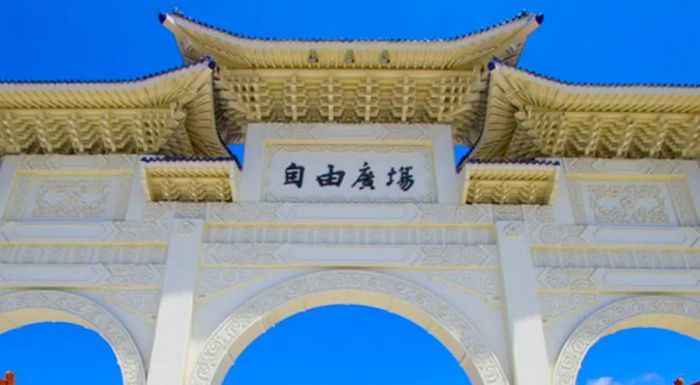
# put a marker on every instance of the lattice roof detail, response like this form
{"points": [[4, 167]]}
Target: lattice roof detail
{"points": [[510, 183], [235, 51], [532, 116], [454, 97], [189, 180], [170, 113]]}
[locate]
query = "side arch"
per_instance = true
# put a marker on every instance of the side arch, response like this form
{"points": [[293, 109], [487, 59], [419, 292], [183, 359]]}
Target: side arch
{"points": [[347, 286], [31, 306], [674, 313]]}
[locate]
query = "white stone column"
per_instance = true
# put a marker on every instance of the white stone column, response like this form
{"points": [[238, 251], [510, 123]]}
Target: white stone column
{"points": [[137, 195], [523, 320], [174, 325], [7, 175]]}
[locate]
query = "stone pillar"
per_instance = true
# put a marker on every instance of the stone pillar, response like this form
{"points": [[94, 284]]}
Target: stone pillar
{"points": [[137, 195], [523, 320], [174, 325], [8, 166]]}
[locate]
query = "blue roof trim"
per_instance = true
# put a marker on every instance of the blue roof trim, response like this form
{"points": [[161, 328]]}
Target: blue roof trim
{"points": [[539, 18], [527, 162], [185, 159], [494, 63], [204, 59]]}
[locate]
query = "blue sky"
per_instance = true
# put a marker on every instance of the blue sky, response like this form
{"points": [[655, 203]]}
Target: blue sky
{"points": [[587, 40]]}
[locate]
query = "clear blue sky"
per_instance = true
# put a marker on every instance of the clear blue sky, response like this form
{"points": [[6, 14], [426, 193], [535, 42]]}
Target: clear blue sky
{"points": [[584, 40]]}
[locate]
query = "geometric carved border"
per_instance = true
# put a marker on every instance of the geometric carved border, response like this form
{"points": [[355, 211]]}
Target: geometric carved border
{"points": [[216, 355], [598, 325], [94, 317]]}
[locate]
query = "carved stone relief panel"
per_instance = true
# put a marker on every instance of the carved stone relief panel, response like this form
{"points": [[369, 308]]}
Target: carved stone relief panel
{"points": [[72, 275], [622, 166], [635, 192], [351, 234], [76, 162], [85, 198], [629, 237], [58, 254], [344, 213], [285, 255], [606, 202]]}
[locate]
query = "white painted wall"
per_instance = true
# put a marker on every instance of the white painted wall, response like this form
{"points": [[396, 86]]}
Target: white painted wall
{"points": [[618, 234]]}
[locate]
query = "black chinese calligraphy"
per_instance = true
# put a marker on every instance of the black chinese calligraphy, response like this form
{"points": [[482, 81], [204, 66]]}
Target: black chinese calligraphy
{"points": [[331, 178], [391, 174], [366, 177], [405, 181], [405, 178], [294, 174]]}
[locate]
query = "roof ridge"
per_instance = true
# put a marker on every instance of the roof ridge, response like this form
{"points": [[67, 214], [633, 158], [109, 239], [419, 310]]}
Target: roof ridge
{"points": [[495, 64], [204, 59], [537, 17]]}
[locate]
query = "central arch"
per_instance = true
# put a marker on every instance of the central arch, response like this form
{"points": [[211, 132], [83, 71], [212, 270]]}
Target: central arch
{"points": [[347, 286], [673, 313], [32, 306]]}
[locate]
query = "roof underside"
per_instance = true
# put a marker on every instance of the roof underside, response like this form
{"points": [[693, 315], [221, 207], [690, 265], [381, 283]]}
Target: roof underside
{"points": [[171, 113], [532, 116]]}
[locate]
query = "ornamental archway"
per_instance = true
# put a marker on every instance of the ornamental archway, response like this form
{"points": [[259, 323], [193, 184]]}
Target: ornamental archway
{"points": [[350, 287], [673, 313], [32, 306]]}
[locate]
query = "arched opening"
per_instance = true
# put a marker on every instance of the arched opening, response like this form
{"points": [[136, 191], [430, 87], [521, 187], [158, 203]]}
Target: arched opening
{"points": [[359, 287], [346, 344], [58, 353], [675, 317], [653, 356], [30, 307]]}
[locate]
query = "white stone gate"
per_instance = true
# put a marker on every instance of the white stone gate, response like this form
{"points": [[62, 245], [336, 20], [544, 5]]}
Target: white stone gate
{"points": [[562, 225]]}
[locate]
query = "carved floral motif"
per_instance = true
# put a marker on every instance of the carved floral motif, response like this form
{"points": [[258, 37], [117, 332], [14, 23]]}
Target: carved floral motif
{"points": [[628, 203], [85, 199], [568, 279], [514, 230]]}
